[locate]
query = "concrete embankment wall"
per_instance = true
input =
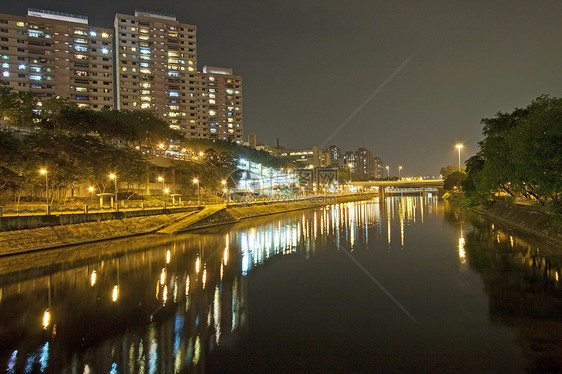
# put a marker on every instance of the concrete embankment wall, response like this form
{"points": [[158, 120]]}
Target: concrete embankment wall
{"points": [[28, 240], [9, 223], [21, 241], [528, 219]]}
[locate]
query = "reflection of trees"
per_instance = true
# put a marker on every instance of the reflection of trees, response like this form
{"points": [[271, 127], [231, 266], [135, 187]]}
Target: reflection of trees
{"points": [[522, 284]]}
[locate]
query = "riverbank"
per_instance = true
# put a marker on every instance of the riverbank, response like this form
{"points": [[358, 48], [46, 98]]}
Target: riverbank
{"points": [[527, 219], [29, 240]]}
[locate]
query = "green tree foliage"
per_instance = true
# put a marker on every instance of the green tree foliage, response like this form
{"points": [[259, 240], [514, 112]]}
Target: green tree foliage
{"points": [[450, 169], [454, 180], [521, 154]]}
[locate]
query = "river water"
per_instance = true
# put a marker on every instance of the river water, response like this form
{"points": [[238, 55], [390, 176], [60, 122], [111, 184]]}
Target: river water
{"points": [[411, 285]]}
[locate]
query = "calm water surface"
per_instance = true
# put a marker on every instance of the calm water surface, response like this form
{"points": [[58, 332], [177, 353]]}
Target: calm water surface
{"points": [[412, 285]]}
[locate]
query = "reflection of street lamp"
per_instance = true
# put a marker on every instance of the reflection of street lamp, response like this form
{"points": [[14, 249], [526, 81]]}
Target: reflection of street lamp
{"points": [[44, 171], [114, 177], [388, 172], [198, 191], [91, 189], [399, 168], [459, 146]]}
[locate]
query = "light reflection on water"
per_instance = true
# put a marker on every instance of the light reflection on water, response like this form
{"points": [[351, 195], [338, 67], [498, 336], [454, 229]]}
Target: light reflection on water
{"points": [[166, 306]]}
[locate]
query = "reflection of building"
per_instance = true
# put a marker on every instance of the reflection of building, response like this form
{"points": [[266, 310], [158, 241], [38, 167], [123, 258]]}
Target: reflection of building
{"points": [[221, 103], [52, 54]]}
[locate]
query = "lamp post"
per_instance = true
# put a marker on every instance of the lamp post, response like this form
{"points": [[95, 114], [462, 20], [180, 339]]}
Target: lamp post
{"points": [[114, 177], [165, 193], [459, 146], [44, 171], [388, 173], [350, 166], [198, 191], [399, 168], [161, 179], [91, 189], [225, 188]]}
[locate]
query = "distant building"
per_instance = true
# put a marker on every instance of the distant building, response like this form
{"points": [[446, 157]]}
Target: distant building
{"points": [[221, 103], [335, 155], [53, 54]]}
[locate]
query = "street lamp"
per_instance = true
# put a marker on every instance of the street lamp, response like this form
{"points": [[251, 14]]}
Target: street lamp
{"points": [[114, 177], [198, 191], [388, 172], [165, 195], [161, 179], [225, 188], [399, 168], [91, 189], [459, 146], [44, 171], [350, 166]]}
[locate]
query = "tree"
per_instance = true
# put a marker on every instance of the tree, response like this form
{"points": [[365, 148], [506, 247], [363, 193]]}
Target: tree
{"points": [[453, 182], [446, 171]]}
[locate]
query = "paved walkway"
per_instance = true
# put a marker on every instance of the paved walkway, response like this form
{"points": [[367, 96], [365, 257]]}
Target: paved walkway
{"points": [[185, 223]]}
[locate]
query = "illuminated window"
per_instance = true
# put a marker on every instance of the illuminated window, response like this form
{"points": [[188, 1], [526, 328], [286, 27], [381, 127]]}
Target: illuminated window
{"points": [[104, 35], [93, 33], [144, 105], [6, 74], [20, 24]]}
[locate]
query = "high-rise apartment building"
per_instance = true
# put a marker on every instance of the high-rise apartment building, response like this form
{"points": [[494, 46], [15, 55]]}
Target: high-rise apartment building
{"points": [[54, 54], [156, 69], [221, 99], [150, 64]]}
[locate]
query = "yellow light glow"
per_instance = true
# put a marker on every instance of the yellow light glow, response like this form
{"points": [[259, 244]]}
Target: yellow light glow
{"points": [[43, 171], [168, 256], [93, 278], [462, 254], [91, 189], [115, 293], [163, 276], [459, 146], [111, 176], [46, 318], [165, 294], [196, 180]]}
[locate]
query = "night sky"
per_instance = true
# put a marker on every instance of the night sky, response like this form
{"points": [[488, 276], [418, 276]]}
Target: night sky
{"points": [[433, 69]]}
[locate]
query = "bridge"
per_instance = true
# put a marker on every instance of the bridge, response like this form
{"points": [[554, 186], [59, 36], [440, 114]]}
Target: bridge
{"points": [[401, 186]]}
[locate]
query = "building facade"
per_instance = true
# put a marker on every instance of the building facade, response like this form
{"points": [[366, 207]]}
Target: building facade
{"points": [[156, 69], [221, 103], [52, 54], [148, 61]]}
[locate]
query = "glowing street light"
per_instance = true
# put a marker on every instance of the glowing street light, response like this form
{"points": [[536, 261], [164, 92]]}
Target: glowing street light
{"points": [[114, 177], [225, 189], [44, 172], [459, 146], [198, 191]]}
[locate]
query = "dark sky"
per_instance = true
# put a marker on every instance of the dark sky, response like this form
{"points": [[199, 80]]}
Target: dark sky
{"points": [[309, 65]]}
